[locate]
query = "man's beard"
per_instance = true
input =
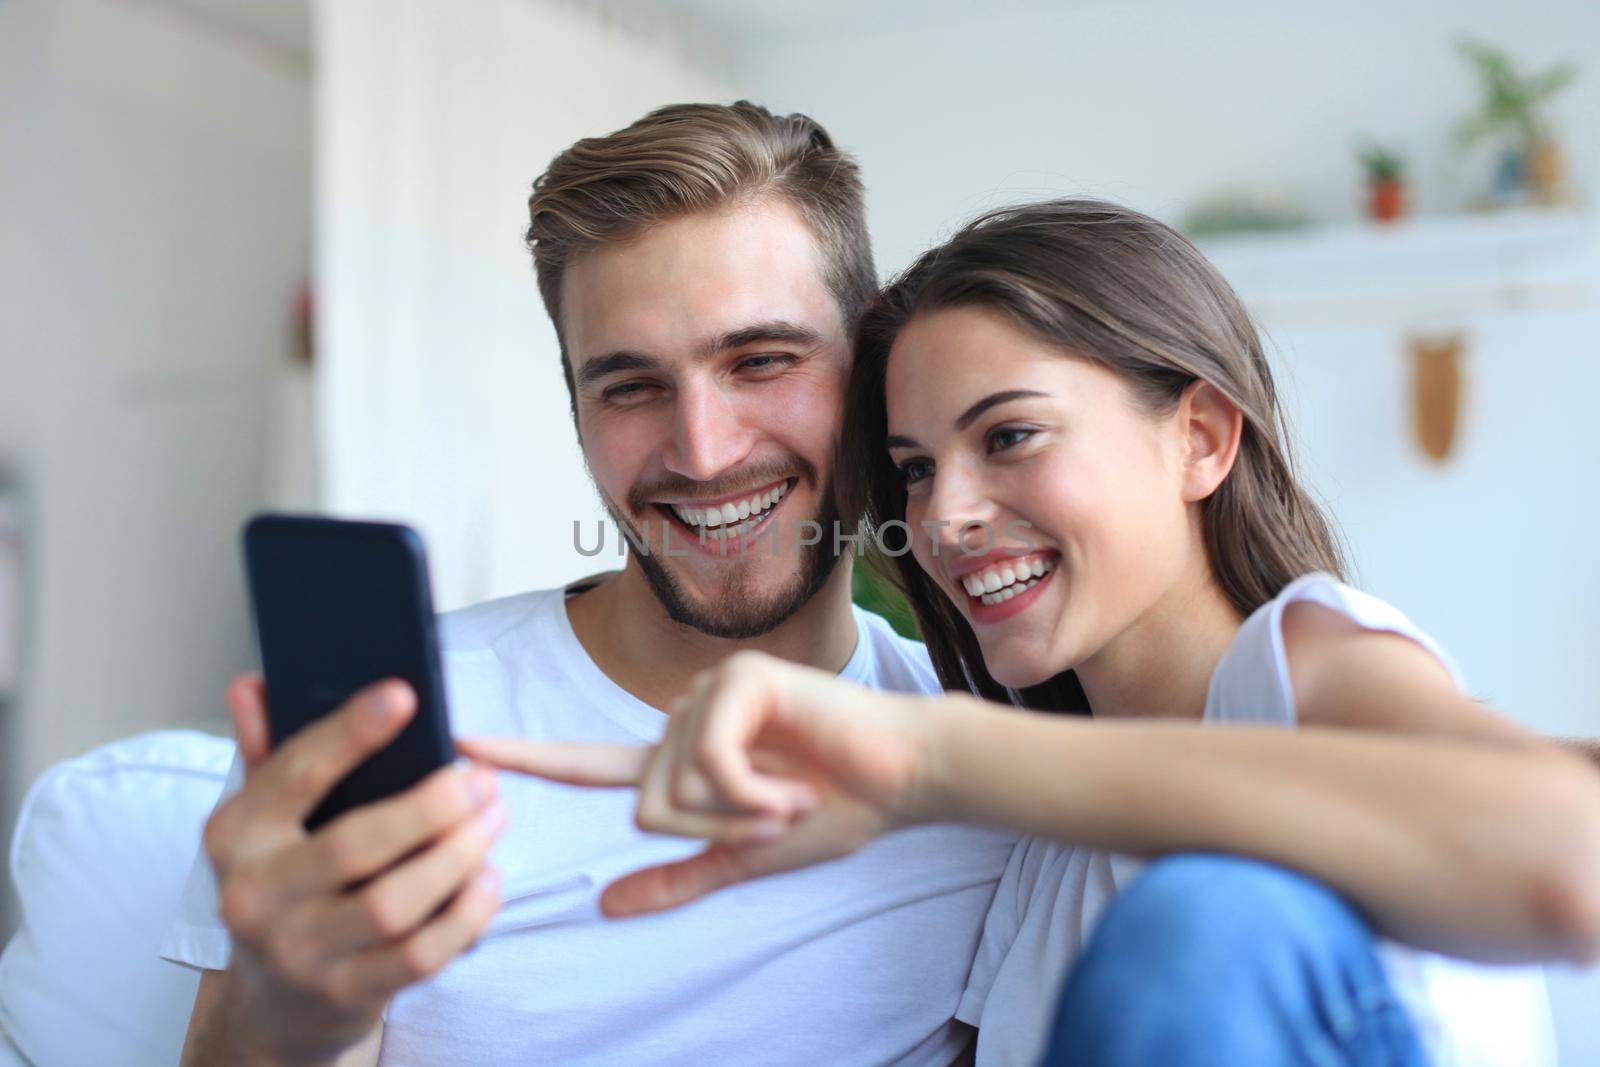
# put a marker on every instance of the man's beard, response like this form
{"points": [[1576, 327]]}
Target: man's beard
{"points": [[735, 611]]}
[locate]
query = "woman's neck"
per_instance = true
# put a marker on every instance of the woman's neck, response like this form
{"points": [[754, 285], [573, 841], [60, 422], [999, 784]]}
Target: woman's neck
{"points": [[1161, 666]]}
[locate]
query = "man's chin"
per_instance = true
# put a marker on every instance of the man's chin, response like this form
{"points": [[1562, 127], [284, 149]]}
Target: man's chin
{"points": [[747, 599]]}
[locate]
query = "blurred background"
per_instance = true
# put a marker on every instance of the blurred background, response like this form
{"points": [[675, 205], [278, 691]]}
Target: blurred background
{"points": [[267, 253]]}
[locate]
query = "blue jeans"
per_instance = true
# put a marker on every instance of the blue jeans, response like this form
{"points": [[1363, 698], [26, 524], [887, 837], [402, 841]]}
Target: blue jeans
{"points": [[1217, 961]]}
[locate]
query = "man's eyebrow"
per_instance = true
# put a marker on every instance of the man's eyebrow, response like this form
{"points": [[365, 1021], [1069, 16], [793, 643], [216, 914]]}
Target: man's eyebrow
{"points": [[778, 330], [775, 330], [965, 418], [612, 362]]}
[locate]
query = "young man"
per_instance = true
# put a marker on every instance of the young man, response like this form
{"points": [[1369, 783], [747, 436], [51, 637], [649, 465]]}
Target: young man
{"points": [[703, 268]]}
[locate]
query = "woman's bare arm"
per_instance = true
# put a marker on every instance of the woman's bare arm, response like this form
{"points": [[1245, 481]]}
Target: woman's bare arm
{"points": [[1451, 826], [1588, 748]]}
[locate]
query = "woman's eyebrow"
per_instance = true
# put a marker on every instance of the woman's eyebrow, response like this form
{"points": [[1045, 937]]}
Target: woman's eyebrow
{"points": [[966, 417]]}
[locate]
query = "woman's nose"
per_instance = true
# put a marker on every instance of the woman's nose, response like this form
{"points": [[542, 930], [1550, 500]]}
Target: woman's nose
{"points": [[960, 514]]}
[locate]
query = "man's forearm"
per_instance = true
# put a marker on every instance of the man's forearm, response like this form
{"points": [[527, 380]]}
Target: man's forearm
{"points": [[220, 1031]]}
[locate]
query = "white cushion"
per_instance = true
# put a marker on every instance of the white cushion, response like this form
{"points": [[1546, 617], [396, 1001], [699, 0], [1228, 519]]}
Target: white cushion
{"points": [[10, 1055], [101, 851]]}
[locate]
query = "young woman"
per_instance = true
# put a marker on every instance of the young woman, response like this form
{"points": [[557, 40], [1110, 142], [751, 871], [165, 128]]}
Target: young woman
{"points": [[1068, 415]]}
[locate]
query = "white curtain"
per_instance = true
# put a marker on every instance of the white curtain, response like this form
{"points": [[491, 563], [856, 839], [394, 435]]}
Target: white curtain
{"points": [[440, 399]]}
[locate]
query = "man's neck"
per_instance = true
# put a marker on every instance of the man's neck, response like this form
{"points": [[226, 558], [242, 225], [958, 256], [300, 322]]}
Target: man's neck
{"points": [[630, 637]]}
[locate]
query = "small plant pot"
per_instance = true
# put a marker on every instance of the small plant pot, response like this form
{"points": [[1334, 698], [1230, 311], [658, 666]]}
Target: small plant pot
{"points": [[1547, 173], [1386, 199]]}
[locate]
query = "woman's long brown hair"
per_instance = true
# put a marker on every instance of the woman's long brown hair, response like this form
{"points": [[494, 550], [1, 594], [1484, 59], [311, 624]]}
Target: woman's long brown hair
{"points": [[1103, 283]]}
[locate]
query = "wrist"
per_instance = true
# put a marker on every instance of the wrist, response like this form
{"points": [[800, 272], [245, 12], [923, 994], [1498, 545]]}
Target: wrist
{"points": [[250, 1023], [937, 725]]}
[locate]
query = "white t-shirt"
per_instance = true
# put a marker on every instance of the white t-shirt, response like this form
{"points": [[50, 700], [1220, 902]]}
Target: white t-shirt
{"points": [[858, 961], [1467, 1015]]}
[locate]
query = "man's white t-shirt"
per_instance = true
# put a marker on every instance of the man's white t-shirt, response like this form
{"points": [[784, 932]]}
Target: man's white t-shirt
{"points": [[858, 961], [1053, 894]]}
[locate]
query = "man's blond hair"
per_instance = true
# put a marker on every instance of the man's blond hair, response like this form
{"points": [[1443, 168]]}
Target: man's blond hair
{"points": [[691, 158]]}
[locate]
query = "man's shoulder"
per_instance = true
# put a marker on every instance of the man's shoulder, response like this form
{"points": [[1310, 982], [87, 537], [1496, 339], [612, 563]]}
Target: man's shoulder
{"points": [[478, 626], [892, 661]]}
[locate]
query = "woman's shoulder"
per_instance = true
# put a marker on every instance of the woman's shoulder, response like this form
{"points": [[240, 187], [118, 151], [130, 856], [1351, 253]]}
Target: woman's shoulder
{"points": [[1253, 681]]}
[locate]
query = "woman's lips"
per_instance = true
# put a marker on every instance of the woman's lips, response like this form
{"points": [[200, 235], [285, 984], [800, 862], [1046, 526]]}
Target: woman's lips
{"points": [[1007, 587]]}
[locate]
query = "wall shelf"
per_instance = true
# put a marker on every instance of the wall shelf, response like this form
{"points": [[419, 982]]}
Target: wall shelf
{"points": [[1417, 272]]}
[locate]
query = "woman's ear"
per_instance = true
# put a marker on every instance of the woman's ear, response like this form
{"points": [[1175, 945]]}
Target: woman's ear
{"points": [[1211, 426]]}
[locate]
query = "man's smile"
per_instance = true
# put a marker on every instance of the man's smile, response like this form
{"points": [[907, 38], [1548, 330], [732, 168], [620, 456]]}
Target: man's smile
{"points": [[726, 525]]}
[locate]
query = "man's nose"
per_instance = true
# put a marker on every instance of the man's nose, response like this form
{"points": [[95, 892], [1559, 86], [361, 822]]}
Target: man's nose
{"points": [[709, 434]]}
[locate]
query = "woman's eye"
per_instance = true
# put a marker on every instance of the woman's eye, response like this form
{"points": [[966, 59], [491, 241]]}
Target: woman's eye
{"points": [[914, 470], [1008, 437]]}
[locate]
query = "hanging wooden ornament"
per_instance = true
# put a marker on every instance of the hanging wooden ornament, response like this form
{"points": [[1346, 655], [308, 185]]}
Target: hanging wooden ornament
{"points": [[1436, 391]]}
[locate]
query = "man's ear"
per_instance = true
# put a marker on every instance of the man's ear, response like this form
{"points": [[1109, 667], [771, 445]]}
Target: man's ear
{"points": [[1211, 426]]}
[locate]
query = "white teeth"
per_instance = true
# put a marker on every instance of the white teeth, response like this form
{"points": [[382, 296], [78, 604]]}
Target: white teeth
{"points": [[1007, 593], [725, 515], [1001, 582]]}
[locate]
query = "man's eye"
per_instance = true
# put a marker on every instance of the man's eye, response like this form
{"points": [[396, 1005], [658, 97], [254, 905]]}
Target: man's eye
{"points": [[627, 392], [766, 361], [1008, 437], [915, 470]]}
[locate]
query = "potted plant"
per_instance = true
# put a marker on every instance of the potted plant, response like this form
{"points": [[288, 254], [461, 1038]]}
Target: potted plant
{"points": [[1386, 187], [1530, 166]]}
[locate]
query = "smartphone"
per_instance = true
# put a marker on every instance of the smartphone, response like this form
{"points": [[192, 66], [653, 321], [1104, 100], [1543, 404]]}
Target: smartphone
{"points": [[339, 605]]}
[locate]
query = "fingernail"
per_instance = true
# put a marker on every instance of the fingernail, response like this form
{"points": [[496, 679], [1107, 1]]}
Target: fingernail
{"points": [[382, 704], [494, 818], [489, 880], [770, 829], [481, 786]]}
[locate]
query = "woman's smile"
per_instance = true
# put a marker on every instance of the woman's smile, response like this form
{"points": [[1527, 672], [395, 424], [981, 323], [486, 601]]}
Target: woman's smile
{"points": [[1001, 585]]}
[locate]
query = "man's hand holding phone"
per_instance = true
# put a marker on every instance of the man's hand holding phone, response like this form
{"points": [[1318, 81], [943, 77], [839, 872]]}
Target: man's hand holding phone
{"points": [[328, 925]]}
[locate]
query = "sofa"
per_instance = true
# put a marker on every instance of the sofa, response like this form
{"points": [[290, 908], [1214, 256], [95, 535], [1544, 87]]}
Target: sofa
{"points": [[102, 848]]}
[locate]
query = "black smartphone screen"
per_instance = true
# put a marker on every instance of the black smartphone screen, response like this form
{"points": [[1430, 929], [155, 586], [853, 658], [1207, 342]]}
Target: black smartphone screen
{"points": [[339, 605]]}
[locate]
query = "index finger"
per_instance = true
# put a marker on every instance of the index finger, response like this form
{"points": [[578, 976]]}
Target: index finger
{"points": [[573, 762], [671, 885], [734, 716]]}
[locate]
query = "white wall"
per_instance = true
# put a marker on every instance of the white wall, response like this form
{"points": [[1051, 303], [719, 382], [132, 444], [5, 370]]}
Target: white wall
{"points": [[442, 398], [154, 173], [1155, 103]]}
